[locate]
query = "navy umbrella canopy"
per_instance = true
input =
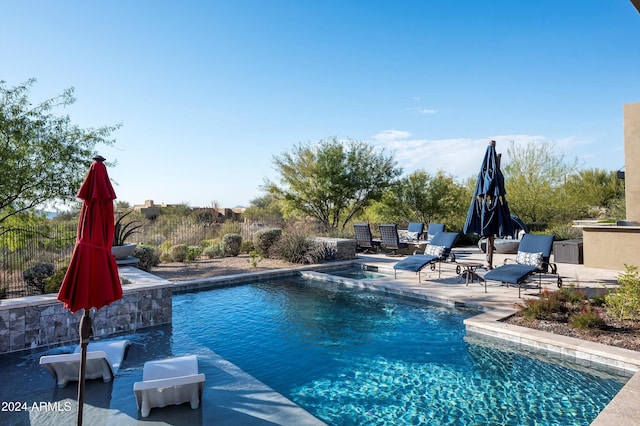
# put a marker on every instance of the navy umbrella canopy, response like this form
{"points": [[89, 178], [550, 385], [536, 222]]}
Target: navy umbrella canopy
{"points": [[489, 214]]}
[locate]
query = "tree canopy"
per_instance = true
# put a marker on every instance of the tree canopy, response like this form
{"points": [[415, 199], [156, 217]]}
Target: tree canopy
{"points": [[44, 155], [333, 181]]}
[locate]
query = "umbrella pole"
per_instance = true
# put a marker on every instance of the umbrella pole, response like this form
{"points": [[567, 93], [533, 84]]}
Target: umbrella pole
{"points": [[85, 334], [489, 250]]}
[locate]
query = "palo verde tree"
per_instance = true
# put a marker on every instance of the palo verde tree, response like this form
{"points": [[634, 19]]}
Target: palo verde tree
{"points": [[44, 155], [534, 179], [332, 180]]}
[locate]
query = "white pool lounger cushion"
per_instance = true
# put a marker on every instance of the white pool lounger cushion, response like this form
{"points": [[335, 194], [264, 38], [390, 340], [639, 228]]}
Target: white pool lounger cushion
{"points": [[103, 360], [171, 381]]}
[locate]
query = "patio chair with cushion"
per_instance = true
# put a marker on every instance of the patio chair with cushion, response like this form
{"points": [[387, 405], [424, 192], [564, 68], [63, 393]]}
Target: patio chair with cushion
{"points": [[364, 239], [433, 229], [414, 232], [391, 239], [438, 251], [532, 258]]}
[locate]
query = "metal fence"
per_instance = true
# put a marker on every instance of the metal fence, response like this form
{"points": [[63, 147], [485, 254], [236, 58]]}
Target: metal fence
{"points": [[26, 247]]}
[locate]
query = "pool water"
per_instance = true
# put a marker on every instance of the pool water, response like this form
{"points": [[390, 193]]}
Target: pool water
{"points": [[357, 272], [354, 357]]}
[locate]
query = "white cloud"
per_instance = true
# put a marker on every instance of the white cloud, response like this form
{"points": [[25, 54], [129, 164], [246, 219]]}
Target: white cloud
{"points": [[460, 157]]}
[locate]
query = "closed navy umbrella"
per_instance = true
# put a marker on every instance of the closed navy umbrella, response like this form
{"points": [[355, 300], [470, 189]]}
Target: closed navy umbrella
{"points": [[488, 213]]}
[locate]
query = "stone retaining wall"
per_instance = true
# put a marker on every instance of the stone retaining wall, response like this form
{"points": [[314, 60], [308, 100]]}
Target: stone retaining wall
{"points": [[39, 321], [338, 248]]}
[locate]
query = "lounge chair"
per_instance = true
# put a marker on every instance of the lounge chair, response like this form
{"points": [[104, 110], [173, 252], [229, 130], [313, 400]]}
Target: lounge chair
{"points": [[103, 361], [414, 232], [364, 239], [438, 250], [532, 258], [171, 381], [391, 239], [433, 229]]}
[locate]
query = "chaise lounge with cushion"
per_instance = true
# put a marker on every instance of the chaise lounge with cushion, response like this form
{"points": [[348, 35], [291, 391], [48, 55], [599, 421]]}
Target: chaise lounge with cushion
{"points": [[437, 251], [532, 258]]}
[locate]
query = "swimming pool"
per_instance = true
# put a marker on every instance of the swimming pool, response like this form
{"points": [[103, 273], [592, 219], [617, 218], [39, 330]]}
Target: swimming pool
{"points": [[348, 357], [354, 357], [358, 272]]}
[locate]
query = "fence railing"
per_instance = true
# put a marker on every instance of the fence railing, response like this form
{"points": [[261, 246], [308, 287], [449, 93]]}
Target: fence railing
{"points": [[21, 249]]}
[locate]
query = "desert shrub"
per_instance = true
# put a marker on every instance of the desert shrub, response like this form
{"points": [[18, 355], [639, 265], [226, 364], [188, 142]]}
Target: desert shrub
{"points": [[571, 295], [208, 243], [265, 238], [213, 251], [255, 257], [247, 246], [179, 252], [565, 232], [55, 281], [166, 257], [231, 244], [544, 307], [297, 248], [193, 253], [147, 256], [36, 276], [624, 302], [588, 319], [229, 227]]}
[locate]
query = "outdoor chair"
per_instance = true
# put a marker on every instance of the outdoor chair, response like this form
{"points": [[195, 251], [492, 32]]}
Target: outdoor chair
{"points": [[414, 232], [103, 361], [438, 251], [391, 239], [172, 381], [364, 239], [532, 258], [433, 229]]}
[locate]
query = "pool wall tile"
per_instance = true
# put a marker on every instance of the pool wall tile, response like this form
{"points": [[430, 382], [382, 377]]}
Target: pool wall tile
{"points": [[40, 321]]}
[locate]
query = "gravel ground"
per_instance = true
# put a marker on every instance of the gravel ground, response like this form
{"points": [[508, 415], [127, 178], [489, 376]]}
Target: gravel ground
{"points": [[620, 334]]}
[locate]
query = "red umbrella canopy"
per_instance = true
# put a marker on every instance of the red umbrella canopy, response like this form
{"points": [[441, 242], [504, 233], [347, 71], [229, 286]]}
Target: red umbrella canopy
{"points": [[92, 280]]}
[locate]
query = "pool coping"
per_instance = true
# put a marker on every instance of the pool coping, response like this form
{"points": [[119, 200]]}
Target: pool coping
{"points": [[623, 407]]}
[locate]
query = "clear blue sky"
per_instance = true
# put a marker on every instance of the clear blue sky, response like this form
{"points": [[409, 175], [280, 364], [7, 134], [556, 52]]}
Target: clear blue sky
{"points": [[209, 91]]}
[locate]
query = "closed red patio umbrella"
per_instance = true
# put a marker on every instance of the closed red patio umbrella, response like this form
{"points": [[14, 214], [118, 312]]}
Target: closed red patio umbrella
{"points": [[92, 279]]}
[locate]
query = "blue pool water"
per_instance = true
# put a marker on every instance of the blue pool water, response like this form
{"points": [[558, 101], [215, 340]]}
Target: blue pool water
{"points": [[358, 272], [354, 358], [348, 357]]}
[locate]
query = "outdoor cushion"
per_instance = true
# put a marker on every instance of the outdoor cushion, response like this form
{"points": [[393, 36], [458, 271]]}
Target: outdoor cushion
{"points": [[532, 259], [434, 250], [407, 235], [511, 273], [415, 263]]}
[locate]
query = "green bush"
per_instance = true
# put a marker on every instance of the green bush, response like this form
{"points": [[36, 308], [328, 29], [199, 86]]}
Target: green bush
{"points": [[588, 319], [265, 238], [208, 243], [37, 275], [255, 257], [624, 302], [544, 307], [297, 248], [247, 246], [179, 253], [55, 281], [166, 257], [147, 257], [571, 295], [231, 244], [566, 232], [212, 251], [193, 253]]}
